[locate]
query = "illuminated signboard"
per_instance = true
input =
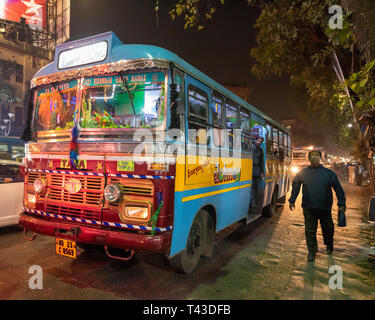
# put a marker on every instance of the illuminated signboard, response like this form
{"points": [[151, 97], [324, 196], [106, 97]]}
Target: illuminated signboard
{"points": [[83, 55], [34, 11]]}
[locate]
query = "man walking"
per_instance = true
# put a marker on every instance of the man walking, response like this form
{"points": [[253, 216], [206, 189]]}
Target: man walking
{"points": [[317, 182]]}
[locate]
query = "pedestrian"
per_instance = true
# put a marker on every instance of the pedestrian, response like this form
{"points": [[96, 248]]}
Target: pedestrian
{"points": [[317, 182], [258, 174]]}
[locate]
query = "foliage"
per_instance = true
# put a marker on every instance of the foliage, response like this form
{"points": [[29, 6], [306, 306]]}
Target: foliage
{"points": [[362, 84], [293, 39], [195, 12]]}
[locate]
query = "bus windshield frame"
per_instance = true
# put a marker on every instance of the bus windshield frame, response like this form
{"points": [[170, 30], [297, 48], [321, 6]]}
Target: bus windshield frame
{"points": [[144, 84]]}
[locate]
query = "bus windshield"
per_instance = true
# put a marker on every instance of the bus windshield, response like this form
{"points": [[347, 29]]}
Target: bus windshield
{"points": [[136, 102], [55, 106], [300, 155]]}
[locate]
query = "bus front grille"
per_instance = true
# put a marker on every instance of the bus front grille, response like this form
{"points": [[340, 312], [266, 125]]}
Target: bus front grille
{"points": [[74, 212], [91, 192]]}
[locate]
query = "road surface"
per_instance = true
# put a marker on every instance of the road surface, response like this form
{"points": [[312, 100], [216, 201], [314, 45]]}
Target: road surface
{"points": [[266, 260]]}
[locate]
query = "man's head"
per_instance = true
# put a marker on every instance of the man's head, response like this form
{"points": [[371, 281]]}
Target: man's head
{"points": [[258, 141], [314, 157]]}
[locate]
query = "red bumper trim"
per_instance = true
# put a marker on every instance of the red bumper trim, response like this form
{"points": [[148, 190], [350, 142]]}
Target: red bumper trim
{"points": [[96, 235]]}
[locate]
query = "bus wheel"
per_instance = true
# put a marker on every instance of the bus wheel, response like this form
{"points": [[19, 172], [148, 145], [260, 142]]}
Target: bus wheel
{"points": [[270, 210], [188, 260]]}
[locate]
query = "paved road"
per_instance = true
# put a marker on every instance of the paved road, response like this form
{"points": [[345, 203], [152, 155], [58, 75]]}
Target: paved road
{"points": [[266, 260]]}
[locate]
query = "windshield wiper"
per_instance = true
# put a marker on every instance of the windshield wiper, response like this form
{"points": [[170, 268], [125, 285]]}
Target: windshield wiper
{"points": [[55, 85], [127, 89]]}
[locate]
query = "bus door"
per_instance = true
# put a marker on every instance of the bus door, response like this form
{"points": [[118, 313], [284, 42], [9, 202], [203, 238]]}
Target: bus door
{"points": [[258, 137]]}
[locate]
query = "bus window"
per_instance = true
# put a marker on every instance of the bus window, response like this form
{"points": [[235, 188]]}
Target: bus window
{"points": [[231, 116], [269, 138], [275, 146], [286, 145], [281, 146], [198, 105], [281, 140], [246, 132], [217, 107], [230, 121]]}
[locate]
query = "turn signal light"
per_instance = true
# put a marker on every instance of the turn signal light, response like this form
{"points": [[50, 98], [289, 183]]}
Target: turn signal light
{"points": [[158, 167]]}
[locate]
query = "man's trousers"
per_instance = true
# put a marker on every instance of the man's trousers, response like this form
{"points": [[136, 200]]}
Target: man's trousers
{"points": [[311, 225]]}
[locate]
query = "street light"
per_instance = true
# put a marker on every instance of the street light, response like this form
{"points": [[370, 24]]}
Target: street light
{"points": [[350, 125]]}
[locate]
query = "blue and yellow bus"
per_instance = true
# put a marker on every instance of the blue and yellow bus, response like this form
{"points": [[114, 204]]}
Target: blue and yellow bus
{"points": [[132, 148]]}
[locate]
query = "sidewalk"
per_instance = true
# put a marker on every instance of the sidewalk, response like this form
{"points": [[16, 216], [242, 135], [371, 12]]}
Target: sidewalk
{"points": [[273, 263]]}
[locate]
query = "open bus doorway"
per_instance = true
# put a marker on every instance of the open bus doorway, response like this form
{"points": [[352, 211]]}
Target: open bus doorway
{"points": [[258, 139]]}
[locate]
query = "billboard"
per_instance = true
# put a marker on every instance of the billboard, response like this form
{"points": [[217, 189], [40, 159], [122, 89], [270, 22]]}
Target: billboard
{"points": [[34, 11]]}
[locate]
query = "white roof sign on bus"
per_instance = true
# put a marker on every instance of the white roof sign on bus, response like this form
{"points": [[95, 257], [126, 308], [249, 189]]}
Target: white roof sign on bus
{"points": [[91, 50], [80, 56]]}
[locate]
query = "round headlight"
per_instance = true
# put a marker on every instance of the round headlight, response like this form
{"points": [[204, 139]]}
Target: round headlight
{"points": [[112, 192], [39, 185]]}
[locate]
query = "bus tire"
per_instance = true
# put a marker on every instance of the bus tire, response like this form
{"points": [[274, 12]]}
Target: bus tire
{"points": [[188, 260], [209, 241], [282, 200], [270, 210]]}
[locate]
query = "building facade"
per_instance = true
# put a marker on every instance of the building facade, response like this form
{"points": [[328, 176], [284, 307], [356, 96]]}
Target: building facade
{"points": [[19, 61]]}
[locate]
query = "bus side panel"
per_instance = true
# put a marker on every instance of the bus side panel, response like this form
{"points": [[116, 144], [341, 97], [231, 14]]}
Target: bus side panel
{"points": [[230, 200], [231, 207], [270, 184]]}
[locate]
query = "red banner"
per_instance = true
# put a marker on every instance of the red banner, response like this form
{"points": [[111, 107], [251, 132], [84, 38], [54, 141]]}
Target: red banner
{"points": [[34, 11]]}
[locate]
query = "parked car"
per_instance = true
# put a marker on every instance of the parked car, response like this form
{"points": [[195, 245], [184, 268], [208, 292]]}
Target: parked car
{"points": [[12, 148], [11, 180]]}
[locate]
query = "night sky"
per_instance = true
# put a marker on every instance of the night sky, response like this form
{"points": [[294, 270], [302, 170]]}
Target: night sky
{"points": [[221, 50]]}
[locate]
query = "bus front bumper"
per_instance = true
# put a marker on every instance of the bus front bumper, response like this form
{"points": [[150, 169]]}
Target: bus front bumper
{"points": [[96, 235]]}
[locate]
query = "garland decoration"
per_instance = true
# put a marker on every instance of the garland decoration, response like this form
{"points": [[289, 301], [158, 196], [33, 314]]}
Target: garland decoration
{"points": [[154, 218], [73, 155]]}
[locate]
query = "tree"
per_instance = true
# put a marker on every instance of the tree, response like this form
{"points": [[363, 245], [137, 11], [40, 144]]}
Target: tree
{"points": [[293, 38], [195, 12]]}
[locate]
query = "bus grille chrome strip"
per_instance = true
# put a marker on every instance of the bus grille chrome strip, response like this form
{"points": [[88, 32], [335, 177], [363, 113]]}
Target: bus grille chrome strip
{"points": [[98, 223], [119, 175]]}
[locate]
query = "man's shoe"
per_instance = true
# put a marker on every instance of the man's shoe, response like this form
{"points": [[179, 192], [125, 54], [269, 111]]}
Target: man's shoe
{"points": [[311, 257], [329, 249]]}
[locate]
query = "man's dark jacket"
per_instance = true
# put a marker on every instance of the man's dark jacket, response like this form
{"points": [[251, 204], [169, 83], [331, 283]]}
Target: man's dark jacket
{"points": [[317, 188]]}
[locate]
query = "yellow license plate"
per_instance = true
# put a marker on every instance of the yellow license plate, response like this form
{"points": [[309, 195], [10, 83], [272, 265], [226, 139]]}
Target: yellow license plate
{"points": [[125, 165], [66, 248]]}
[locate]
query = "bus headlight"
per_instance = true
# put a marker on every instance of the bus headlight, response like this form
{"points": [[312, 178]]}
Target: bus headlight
{"points": [[136, 212], [112, 192], [30, 199], [295, 169], [40, 185]]}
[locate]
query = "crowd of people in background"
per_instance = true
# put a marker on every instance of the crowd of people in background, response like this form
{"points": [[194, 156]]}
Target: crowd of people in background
{"points": [[351, 172]]}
